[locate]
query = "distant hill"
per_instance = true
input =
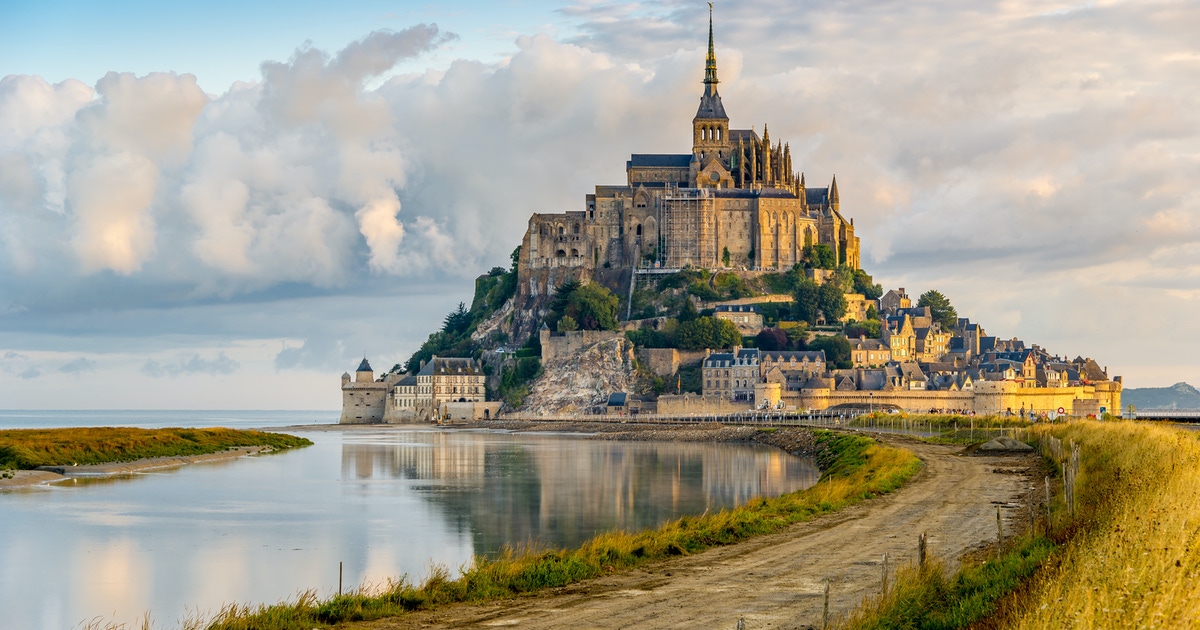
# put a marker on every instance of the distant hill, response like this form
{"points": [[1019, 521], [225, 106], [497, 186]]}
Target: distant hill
{"points": [[1177, 396]]}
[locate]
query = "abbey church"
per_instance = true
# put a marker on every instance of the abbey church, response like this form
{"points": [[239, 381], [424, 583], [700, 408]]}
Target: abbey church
{"points": [[734, 202]]}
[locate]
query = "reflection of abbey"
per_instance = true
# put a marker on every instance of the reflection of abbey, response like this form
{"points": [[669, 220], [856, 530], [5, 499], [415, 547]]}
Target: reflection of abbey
{"points": [[734, 201]]}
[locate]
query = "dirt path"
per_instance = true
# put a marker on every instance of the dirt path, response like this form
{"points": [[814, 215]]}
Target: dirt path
{"points": [[776, 581]]}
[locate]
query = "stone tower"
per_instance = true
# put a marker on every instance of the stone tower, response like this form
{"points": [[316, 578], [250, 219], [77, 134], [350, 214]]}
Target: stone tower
{"points": [[711, 143]]}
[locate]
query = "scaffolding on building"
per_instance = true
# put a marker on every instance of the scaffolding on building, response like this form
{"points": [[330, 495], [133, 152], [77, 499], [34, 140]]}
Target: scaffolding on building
{"points": [[689, 230]]}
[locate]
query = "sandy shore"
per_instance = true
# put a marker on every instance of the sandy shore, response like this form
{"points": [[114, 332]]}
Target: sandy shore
{"points": [[57, 474]]}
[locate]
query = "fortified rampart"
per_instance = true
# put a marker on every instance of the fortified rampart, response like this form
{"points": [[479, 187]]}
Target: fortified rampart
{"points": [[986, 398]]}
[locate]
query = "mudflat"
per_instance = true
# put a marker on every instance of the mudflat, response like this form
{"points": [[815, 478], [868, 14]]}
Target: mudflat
{"points": [[777, 580], [58, 474]]}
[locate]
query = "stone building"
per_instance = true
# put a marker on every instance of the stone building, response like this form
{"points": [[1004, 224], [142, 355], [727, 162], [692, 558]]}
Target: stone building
{"points": [[364, 400], [747, 317], [735, 201], [731, 375], [443, 387]]}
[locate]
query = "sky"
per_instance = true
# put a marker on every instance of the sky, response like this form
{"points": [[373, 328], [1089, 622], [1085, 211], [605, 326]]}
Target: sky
{"points": [[226, 205]]}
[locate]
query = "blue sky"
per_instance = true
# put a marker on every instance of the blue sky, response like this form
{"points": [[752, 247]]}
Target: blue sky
{"points": [[222, 42], [224, 205]]}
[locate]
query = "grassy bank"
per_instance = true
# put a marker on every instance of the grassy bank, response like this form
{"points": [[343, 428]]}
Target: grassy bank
{"points": [[1128, 557], [27, 449], [1134, 556], [854, 468]]}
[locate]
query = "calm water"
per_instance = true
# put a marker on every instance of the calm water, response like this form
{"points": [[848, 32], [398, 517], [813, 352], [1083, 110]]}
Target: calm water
{"points": [[384, 502]]}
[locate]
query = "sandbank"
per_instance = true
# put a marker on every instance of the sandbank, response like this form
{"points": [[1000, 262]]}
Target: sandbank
{"points": [[57, 474]]}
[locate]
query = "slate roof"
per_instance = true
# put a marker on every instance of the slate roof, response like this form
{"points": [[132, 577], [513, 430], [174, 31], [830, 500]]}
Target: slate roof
{"points": [[785, 356], [450, 365], [659, 160], [816, 196], [743, 134], [364, 366], [617, 399], [711, 107], [737, 308]]}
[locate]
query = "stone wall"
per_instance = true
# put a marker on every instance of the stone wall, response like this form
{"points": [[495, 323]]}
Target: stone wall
{"points": [[987, 398], [559, 345], [696, 404]]}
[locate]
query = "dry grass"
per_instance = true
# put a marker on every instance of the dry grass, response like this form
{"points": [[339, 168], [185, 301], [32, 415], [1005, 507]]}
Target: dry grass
{"points": [[27, 449], [1128, 558], [1135, 557]]}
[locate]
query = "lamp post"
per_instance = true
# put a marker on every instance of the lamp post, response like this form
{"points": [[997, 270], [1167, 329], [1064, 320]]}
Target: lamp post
{"points": [[871, 402]]}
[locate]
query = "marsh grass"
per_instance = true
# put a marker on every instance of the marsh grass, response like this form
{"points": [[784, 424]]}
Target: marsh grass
{"points": [[854, 468], [27, 449]]}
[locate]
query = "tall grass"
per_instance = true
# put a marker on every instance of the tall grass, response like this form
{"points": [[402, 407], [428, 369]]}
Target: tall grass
{"points": [[854, 468], [1128, 558], [29, 448], [930, 597], [1134, 558]]}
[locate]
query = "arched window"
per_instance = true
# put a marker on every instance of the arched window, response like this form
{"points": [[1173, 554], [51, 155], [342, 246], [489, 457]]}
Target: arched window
{"points": [[575, 228], [561, 253], [560, 230], [574, 253], [638, 229]]}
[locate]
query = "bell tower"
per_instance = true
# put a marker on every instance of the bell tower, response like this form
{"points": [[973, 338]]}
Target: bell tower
{"points": [[710, 127]]}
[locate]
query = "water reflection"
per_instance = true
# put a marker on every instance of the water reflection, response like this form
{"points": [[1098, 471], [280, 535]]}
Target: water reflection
{"points": [[385, 503], [559, 491]]}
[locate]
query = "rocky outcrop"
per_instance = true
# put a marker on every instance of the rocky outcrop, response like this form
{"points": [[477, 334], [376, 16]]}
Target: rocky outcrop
{"points": [[576, 382]]}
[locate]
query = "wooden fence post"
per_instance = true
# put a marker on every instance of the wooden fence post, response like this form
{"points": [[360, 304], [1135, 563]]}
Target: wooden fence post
{"points": [[825, 616], [884, 578], [921, 550], [999, 532]]}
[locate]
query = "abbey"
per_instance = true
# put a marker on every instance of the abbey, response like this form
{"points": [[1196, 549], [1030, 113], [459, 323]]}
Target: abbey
{"points": [[734, 202]]}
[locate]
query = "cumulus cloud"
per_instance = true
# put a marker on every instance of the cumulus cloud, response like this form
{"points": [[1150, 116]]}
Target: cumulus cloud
{"points": [[1001, 152], [80, 365], [219, 365]]}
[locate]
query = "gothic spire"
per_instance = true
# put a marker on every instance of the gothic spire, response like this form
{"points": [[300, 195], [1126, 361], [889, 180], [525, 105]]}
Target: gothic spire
{"points": [[710, 100], [710, 65]]}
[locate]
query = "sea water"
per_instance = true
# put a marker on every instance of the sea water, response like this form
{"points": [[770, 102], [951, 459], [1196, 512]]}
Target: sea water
{"points": [[384, 502]]}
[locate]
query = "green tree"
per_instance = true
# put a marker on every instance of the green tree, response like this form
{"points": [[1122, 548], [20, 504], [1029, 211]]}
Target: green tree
{"points": [[831, 301], [863, 284], [872, 313], [592, 306], [725, 257], [805, 300], [940, 307], [567, 324], [798, 336], [515, 256], [869, 329], [688, 312], [820, 256], [457, 321], [837, 350], [707, 332]]}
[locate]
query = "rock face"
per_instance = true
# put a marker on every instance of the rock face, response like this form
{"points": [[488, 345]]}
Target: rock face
{"points": [[1005, 444], [576, 382]]}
